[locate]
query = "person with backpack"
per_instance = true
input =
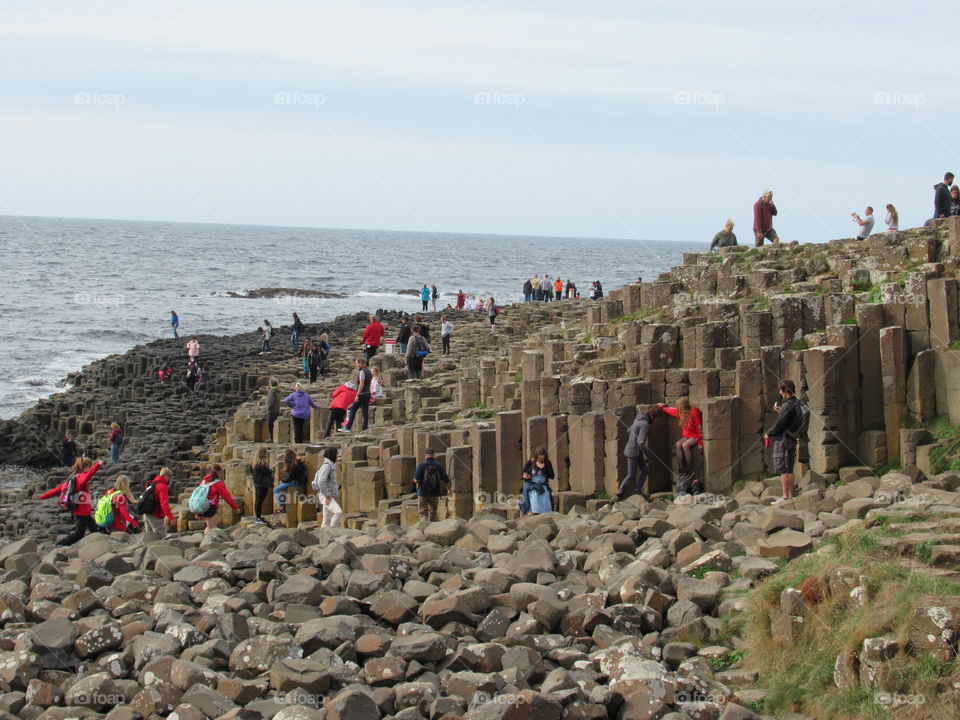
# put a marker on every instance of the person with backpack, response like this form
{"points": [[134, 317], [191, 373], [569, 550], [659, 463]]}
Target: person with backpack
{"points": [[262, 475], [362, 400], [691, 436], [429, 477], [536, 498], [112, 510], [116, 442], [300, 404], [206, 497], [193, 372], [153, 505], [417, 349], [266, 332], [296, 478], [637, 453], [791, 424], [325, 484], [297, 328], [74, 495]]}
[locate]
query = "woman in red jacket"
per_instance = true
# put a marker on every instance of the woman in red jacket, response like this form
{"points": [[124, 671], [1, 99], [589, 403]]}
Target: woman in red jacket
{"points": [[83, 470], [217, 492], [161, 511], [122, 500], [691, 434], [342, 399]]}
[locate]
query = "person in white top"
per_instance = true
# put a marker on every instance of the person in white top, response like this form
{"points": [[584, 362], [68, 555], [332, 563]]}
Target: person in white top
{"points": [[893, 219], [446, 328], [325, 484], [376, 384]]}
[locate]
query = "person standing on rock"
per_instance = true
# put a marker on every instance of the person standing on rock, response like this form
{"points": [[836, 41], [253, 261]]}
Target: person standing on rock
{"points": [[68, 451], [784, 445], [763, 212], [296, 477], [303, 354], [193, 349], [446, 330], [313, 360], [362, 401], [558, 289], [892, 220], [403, 335], [527, 290], [266, 332], [461, 300], [273, 405], [492, 313], [424, 328], [325, 484], [261, 473], [417, 349], [342, 398], [425, 297], [434, 296], [941, 198], [637, 453], [430, 477], [83, 470], [324, 347], [297, 328], [691, 435], [546, 289], [116, 442], [193, 372], [217, 491], [300, 404], [536, 498], [160, 516], [372, 335], [175, 324]]}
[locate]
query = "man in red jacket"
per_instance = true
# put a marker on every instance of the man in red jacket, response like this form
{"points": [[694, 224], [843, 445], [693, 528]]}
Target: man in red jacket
{"points": [[763, 212], [372, 335], [83, 523], [161, 516]]}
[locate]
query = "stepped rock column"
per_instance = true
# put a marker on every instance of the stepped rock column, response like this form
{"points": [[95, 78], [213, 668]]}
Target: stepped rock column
{"points": [[720, 444], [483, 440], [870, 319], [893, 356], [942, 293], [823, 398], [509, 452]]}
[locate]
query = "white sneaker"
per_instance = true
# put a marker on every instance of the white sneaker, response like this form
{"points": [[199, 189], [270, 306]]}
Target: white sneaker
{"points": [[780, 500], [346, 430]]}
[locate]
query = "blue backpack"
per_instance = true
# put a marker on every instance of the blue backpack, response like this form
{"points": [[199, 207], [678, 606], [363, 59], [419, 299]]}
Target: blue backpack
{"points": [[199, 499]]}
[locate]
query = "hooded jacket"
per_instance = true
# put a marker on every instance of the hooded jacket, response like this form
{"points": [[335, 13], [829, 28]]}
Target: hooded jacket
{"points": [[300, 403], [941, 200], [162, 489], [82, 485]]}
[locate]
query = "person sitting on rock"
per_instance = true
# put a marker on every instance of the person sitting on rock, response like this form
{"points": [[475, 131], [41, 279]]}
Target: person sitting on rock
{"points": [[217, 492], [296, 478], [261, 473], [83, 470], [536, 497], [691, 435]]}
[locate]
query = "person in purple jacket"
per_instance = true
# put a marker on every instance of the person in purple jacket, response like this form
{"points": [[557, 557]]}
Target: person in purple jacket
{"points": [[299, 403]]}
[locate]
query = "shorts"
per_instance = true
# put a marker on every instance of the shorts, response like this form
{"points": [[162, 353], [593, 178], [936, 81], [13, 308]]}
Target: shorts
{"points": [[211, 511], [770, 235], [784, 455]]}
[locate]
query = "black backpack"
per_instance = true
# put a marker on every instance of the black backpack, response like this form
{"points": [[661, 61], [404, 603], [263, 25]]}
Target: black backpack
{"points": [[431, 480], [802, 424], [147, 502]]}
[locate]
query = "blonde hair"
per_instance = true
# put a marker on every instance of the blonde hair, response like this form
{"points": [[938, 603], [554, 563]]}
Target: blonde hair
{"points": [[262, 457], [728, 223], [298, 386], [893, 213], [323, 336], [683, 408], [165, 471], [376, 373], [80, 464], [122, 485], [114, 425]]}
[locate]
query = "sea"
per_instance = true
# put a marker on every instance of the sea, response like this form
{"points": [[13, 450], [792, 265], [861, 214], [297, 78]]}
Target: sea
{"points": [[76, 290]]}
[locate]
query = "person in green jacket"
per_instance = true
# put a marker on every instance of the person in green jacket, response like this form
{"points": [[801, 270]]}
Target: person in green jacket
{"points": [[724, 238]]}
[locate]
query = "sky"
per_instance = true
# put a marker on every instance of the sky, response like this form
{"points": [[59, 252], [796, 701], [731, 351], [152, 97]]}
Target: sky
{"points": [[606, 118]]}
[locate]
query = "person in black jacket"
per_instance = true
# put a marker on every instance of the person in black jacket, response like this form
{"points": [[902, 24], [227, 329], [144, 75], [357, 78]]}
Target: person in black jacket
{"points": [[527, 291], [296, 479], [68, 451], [784, 444], [273, 405], [403, 335], [262, 475], [429, 477], [637, 451], [537, 474], [941, 198]]}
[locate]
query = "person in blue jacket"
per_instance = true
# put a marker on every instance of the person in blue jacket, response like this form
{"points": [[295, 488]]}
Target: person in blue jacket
{"points": [[425, 297], [300, 404]]}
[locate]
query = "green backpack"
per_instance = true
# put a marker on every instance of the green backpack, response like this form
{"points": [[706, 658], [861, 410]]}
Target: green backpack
{"points": [[103, 515]]}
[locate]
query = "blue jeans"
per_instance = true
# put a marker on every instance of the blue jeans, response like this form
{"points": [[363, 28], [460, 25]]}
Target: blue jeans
{"points": [[295, 339], [115, 449], [525, 495], [279, 494], [527, 297], [175, 336], [403, 348], [265, 344], [637, 472]]}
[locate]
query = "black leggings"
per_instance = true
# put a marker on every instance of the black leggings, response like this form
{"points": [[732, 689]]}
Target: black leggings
{"points": [[298, 424], [260, 494], [82, 524], [336, 416], [684, 449], [445, 339], [313, 373]]}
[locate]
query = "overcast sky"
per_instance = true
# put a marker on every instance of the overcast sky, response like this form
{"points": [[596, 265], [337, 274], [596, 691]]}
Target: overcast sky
{"points": [[653, 120]]}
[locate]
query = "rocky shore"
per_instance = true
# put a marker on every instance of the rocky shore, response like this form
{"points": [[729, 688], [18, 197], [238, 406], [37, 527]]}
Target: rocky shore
{"points": [[658, 608]]}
